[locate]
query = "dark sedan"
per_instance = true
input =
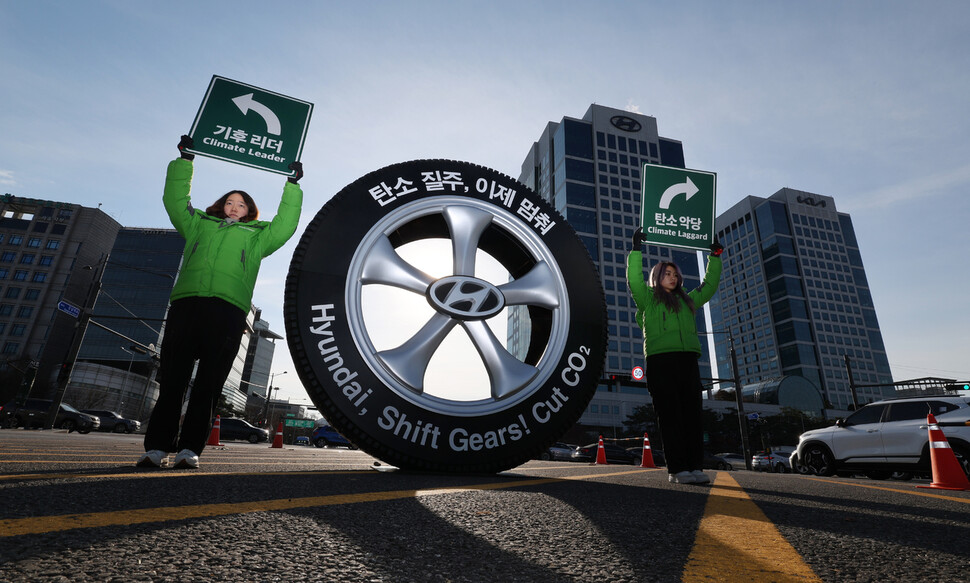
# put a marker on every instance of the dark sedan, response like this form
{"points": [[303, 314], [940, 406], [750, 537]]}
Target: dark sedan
{"points": [[614, 454], [230, 428], [113, 422]]}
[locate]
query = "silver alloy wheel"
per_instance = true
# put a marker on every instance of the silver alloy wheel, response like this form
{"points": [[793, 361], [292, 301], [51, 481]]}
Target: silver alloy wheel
{"points": [[403, 368]]}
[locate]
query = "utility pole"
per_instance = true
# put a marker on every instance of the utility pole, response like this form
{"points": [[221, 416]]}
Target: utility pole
{"points": [[848, 370], [742, 418], [80, 327]]}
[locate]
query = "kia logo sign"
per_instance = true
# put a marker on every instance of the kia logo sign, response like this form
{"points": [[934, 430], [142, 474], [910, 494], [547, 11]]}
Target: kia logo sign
{"points": [[627, 124]]}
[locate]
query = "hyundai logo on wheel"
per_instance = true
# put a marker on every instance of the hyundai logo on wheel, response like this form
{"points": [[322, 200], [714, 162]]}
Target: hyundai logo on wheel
{"points": [[465, 298]]}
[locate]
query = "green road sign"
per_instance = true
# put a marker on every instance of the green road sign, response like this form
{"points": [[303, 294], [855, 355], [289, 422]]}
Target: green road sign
{"points": [[678, 205], [250, 126], [298, 422]]}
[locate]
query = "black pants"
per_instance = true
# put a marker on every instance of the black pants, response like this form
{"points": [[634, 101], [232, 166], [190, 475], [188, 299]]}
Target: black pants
{"points": [[674, 382], [203, 329]]}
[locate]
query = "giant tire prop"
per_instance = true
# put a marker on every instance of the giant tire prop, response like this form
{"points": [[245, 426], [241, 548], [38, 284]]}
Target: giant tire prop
{"points": [[375, 395]]}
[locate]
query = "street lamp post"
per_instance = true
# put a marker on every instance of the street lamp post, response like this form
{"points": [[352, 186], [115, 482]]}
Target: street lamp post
{"points": [[269, 394]]}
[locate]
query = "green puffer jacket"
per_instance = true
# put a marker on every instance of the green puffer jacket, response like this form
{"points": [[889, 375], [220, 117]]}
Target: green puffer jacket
{"points": [[222, 259], [663, 330]]}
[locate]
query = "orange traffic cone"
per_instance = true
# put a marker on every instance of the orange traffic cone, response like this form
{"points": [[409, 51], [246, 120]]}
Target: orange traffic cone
{"points": [[647, 461], [601, 453], [278, 439], [947, 472], [214, 434]]}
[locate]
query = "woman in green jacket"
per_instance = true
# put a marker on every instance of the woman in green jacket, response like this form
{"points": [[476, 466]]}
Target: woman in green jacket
{"points": [[667, 315], [224, 246]]}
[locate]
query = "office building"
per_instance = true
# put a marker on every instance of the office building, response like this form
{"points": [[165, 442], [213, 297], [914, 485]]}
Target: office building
{"points": [[51, 257], [795, 298], [117, 361], [589, 169], [259, 357]]}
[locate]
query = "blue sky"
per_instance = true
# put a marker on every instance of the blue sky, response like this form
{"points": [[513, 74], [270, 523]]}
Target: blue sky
{"points": [[863, 101]]}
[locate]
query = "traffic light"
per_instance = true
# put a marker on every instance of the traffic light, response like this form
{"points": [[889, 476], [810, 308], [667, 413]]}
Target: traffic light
{"points": [[962, 386], [64, 373]]}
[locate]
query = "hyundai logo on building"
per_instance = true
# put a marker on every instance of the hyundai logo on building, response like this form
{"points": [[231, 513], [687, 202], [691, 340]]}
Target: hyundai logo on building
{"points": [[627, 124], [465, 298]]}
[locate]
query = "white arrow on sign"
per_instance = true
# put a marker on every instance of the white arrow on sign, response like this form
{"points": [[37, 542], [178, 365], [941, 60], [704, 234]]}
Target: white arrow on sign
{"points": [[687, 188], [246, 103]]}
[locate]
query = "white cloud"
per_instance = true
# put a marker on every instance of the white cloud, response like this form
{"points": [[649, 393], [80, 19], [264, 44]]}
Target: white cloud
{"points": [[946, 182], [6, 178]]}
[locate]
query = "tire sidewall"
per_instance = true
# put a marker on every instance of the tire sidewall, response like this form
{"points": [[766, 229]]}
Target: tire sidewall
{"points": [[376, 418]]}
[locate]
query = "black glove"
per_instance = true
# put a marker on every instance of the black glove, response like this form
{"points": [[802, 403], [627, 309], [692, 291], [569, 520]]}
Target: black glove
{"points": [[186, 142], [716, 248], [297, 168], [638, 238]]}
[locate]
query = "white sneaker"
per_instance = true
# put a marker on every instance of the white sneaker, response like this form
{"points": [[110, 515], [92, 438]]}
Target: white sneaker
{"points": [[681, 478], [155, 458], [186, 459], [700, 477]]}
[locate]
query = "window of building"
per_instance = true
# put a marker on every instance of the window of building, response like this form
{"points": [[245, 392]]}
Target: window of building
{"points": [[27, 259], [11, 347], [39, 277], [25, 312], [15, 240]]}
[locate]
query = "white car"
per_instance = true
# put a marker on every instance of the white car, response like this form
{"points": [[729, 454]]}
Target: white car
{"points": [[776, 461], [887, 436]]}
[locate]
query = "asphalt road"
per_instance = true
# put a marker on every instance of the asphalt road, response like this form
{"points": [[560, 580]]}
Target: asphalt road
{"points": [[75, 508]]}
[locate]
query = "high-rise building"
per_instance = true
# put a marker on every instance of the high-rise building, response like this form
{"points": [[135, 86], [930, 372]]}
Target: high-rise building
{"points": [[51, 257], [795, 298], [259, 358], [117, 361], [589, 169]]}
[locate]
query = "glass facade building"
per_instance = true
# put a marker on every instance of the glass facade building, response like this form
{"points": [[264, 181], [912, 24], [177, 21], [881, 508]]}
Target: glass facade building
{"points": [[117, 361], [50, 258], [795, 298], [589, 169]]}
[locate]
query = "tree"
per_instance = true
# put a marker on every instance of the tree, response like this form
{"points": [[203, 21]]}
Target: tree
{"points": [[224, 408], [642, 420]]}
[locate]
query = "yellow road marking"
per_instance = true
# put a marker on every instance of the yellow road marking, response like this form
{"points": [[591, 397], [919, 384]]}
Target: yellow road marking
{"points": [[42, 524], [733, 526], [914, 492], [172, 474]]}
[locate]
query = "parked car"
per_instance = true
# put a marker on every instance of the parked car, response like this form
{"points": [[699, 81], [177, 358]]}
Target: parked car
{"points": [[887, 436], [326, 436], [112, 421], [715, 462], [735, 459], [658, 455], [559, 452], [614, 454], [33, 413], [230, 428], [301, 440], [774, 460]]}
